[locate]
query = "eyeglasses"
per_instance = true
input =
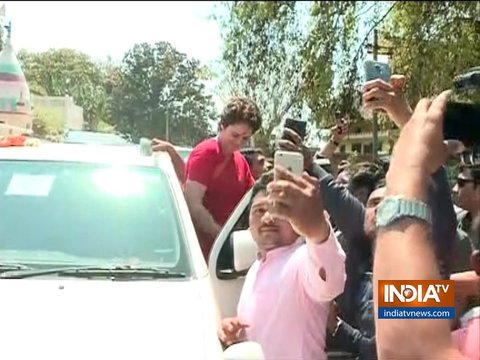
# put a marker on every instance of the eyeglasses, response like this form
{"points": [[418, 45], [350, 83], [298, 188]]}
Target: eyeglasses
{"points": [[462, 182]]}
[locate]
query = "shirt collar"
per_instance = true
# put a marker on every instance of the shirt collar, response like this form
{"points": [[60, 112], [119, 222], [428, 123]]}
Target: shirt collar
{"points": [[262, 257]]}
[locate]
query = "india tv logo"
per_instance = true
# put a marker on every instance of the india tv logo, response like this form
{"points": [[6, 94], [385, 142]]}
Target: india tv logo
{"points": [[416, 299]]}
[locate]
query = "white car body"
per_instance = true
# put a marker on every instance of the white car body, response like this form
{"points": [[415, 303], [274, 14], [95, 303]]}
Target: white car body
{"points": [[59, 318]]}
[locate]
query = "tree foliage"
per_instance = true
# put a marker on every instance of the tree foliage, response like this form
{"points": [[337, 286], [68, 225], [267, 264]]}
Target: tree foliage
{"points": [[133, 97], [155, 84], [260, 58], [67, 72], [433, 42], [288, 56]]}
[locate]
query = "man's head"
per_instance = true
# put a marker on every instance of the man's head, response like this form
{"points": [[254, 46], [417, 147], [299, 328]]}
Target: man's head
{"points": [[240, 119], [375, 197], [268, 233], [364, 180], [256, 161], [466, 191], [368, 185]]}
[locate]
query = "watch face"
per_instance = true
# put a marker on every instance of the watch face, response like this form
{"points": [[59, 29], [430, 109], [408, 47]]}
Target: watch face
{"points": [[386, 211]]}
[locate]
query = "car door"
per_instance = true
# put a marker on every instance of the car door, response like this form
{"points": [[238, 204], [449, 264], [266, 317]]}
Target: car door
{"points": [[232, 254]]}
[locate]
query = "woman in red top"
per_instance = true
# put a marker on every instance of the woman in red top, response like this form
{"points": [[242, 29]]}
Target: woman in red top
{"points": [[217, 174]]}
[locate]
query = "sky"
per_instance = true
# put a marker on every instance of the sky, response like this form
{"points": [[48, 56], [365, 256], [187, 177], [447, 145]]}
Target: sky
{"points": [[101, 29]]}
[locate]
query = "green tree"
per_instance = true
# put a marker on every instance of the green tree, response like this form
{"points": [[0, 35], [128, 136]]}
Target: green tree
{"points": [[155, 84], [432, 43], [68, 72], [292, 56], [260, 58]]}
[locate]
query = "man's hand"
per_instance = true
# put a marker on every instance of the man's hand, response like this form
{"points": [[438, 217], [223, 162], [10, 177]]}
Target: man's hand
{"points": [[291, 141], [161, 145], [340, 130], [298, 200], [332, 320], [232, 330], [467, 283], [420, 145], [377, 94]]}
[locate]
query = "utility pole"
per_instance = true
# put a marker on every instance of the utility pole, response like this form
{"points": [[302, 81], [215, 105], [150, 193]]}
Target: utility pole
{"points": [[375, 115], [375, 49]]}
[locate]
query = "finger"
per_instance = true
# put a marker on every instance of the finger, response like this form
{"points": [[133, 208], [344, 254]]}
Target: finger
{"points": [[283, 191], [422, 106], [436, 110], [283, 174], [377, 83], [228, 328], [398, 81], [287, 145], [293, 135], [310, 179], [277, 209], [376, 94], [377, 104]]}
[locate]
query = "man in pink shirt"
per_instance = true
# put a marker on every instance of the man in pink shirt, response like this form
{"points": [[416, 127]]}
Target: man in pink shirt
{"points": [[300, 269]]}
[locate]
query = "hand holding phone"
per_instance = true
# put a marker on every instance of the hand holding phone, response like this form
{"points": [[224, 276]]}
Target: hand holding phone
{"points": [[290, 160]]}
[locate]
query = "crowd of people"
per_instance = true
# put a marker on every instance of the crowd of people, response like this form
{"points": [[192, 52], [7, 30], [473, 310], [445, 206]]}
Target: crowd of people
{"points": [[321, 245]]}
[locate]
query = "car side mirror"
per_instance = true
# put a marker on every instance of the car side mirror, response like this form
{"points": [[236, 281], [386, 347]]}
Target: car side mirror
{"points": [[247, 350], [244, 250], [238, 256]]}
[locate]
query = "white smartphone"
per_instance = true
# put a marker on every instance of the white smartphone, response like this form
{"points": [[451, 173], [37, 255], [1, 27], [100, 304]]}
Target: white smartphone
{"points": [[290, 160]]}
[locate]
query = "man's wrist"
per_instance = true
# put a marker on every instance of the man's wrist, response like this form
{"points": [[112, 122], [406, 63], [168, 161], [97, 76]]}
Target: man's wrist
{"points": [[414, 188], [401, 117], [321, 233]]}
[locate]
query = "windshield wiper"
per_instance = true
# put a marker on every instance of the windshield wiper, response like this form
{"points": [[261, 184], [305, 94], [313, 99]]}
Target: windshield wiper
{"points": [[13, 267], [113, 272]]}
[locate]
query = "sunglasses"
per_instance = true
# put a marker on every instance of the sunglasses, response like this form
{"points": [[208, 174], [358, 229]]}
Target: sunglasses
{"points": [[462, 182]]}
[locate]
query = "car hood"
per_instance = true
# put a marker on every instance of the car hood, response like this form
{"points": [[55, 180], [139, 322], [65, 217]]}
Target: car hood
{"points": [[96, 319]]}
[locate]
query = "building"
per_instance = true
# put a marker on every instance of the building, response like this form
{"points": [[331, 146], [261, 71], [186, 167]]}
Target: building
{"points": [[64, 107], [361, 143], [15, 104]]}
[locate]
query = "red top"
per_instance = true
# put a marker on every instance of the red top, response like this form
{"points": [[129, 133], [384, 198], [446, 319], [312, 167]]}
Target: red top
{"points": [[226, 179]]}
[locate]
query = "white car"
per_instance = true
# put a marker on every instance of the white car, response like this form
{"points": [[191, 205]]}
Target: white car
{"points": [[99, 260]]}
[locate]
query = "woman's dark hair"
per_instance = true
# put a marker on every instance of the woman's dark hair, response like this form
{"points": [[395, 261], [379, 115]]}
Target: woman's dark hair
{"points": [[241, 110]]}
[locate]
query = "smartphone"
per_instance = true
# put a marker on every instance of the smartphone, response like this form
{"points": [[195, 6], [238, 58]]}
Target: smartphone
{"points": [[299, 126], [290, 160], [376, 70]]}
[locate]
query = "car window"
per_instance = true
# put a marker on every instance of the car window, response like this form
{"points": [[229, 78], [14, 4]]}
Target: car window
{"points": [[241, 222], [82, 214]]}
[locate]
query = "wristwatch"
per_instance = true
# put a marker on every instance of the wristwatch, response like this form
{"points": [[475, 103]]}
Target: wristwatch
{"points": [[394, 208]]}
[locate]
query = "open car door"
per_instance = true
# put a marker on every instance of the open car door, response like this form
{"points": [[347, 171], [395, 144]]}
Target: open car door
{"points": [[233, 252]]}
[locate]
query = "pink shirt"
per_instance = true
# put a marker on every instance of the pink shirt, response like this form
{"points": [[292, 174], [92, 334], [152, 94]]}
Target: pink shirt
{"points": [[285, 302], [467, 338]]}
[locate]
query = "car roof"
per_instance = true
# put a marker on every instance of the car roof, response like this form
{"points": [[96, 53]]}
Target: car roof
{"points": [[98, 154]]}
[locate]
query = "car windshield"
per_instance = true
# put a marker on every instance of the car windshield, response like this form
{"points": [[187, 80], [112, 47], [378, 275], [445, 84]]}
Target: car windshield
{"points": [[65, 213]]}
